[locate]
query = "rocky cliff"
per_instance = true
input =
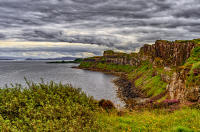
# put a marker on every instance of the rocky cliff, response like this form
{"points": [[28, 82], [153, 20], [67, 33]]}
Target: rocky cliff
{"points": [[172, 53], [171, 67]]}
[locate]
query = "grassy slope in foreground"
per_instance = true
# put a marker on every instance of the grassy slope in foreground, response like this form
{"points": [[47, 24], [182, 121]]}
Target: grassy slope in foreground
{"points": [[53, 107]]}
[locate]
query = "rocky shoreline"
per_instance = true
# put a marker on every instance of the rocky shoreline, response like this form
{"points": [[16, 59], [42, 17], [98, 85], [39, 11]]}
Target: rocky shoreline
{"points": [[129, 93]]}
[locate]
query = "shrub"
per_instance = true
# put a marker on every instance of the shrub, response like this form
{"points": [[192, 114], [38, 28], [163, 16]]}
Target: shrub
{"points": [[183, 129], [46, 107], [106, 104]]}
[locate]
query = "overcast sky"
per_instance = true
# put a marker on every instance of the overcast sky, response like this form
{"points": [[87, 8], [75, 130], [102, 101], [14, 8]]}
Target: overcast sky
{"points": [[53, 28]]}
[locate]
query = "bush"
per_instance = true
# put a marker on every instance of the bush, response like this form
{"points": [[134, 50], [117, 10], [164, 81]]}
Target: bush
{"points": [[183, 129], [106, 104], [46, 107]]}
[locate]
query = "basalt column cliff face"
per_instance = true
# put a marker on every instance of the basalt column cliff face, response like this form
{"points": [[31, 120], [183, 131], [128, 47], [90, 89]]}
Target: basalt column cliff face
{"points": [[174, 63], [172, 53]]}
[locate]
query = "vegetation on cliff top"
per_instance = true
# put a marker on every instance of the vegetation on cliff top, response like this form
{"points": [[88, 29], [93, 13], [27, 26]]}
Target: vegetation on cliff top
{"points": [[57, 107], [196, 41], [107, 67], [193, 63]]}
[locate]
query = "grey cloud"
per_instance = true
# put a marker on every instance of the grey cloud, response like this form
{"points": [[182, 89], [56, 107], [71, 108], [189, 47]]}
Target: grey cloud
{"points": [[188, 10], [194, 28], [188, 13], [120, 24], [38, 13], [59, 36], [2, 36]]}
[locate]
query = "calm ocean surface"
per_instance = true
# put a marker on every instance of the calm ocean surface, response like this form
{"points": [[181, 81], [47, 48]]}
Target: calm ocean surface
{"points": [[96, 84]]}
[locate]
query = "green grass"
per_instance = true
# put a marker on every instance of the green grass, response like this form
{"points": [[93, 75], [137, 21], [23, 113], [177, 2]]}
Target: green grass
{"points": [[195, 66], [85, 64], [154, 86], [151, 85], [107, 66], [115, 67], [196, 41], [193, 63], [186, 120], [194, 57], [144, 67]]}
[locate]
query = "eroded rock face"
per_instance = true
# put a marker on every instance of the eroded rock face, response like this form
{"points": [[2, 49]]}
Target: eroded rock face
{"points": [[193, 94], [177, 88], [123, 61], [121, 58], [172, 53]]}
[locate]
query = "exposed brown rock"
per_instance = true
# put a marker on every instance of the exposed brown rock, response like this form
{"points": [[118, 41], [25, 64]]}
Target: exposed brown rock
{"points": [[172, 53]]}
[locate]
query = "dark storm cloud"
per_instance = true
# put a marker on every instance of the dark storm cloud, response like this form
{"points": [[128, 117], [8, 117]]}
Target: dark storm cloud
{"points": [[58, 36], [189, 9], [120, 24], [2, 36], [194, 28]]}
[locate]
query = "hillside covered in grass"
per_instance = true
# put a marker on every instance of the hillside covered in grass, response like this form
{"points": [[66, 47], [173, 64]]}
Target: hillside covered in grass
{"points": [[58, 107]]}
